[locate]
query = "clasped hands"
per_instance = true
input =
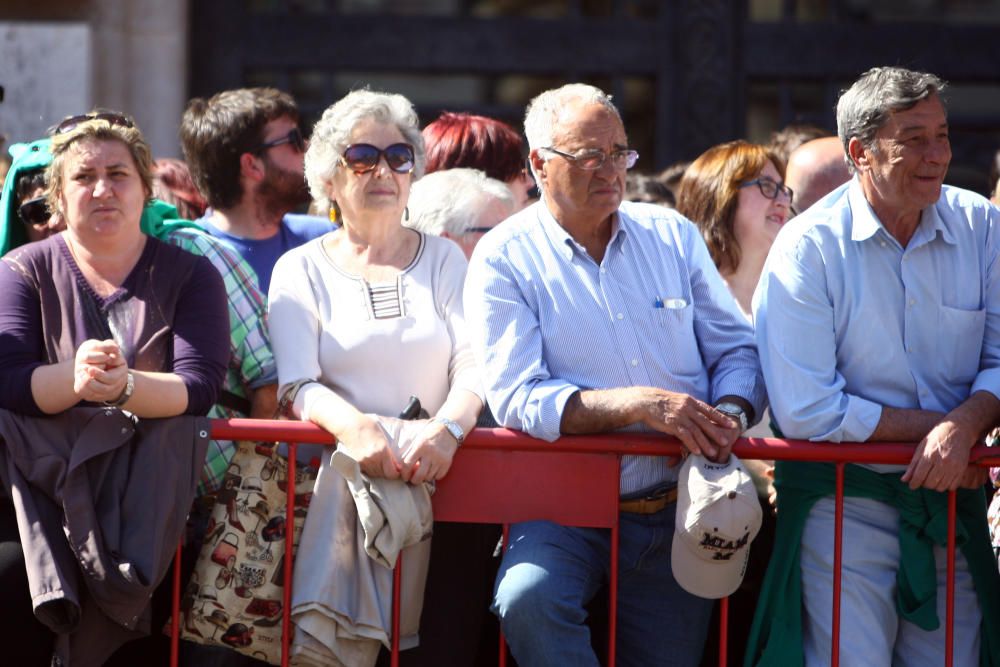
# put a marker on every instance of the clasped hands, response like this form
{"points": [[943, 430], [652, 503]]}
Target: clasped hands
{"points": [[100, 371], [427, 458], [941, 460]]}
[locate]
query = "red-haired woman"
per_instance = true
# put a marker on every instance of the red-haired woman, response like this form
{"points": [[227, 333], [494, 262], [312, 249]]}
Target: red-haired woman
{"points": [[478, 142]]}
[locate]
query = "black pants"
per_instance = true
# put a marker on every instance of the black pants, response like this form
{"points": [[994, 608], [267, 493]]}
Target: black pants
{"points": [[25, 641], [456, 627]]}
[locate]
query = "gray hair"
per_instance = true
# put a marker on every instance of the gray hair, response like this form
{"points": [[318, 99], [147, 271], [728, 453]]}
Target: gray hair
{"points": [[540, 118], [450, 201], [332, 134], [866, 106]]}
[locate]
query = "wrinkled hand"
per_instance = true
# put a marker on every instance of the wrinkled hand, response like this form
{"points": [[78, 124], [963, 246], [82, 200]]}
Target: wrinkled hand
{"points": [[366, 443], [429, 458], [941, 460], [99, 371], [974, 478], [701, 428]]}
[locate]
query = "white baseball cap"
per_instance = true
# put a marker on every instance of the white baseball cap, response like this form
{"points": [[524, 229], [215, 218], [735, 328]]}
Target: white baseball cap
{"points": [[718, 515]]}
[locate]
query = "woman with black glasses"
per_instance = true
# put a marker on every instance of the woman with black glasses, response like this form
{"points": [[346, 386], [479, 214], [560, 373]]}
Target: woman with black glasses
{"points": [[736, 194], [365, 317], [24, 216]]}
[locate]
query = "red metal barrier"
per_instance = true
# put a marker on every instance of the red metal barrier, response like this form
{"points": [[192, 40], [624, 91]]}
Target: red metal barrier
{"points": [[534, 477]]}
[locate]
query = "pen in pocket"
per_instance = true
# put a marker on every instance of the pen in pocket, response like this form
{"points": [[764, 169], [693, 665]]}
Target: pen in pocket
{"points": [[670, 304]]}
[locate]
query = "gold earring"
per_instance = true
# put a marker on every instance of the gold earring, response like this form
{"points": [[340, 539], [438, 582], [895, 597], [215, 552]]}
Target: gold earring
{"points": [[333, 213]]}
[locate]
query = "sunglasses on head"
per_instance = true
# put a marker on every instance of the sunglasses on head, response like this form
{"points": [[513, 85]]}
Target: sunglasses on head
{"points": [[34, 211], [360, 158], [72, 122], [294, 137]]}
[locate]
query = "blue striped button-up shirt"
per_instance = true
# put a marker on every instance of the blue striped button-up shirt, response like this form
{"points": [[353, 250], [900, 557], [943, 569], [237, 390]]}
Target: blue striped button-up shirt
{"points": [[849, 321], [546, 321]]}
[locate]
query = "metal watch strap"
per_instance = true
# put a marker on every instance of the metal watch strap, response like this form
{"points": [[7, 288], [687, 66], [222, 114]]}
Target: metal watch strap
{"points": [[126, 392], [453, 427], [735, 411]]}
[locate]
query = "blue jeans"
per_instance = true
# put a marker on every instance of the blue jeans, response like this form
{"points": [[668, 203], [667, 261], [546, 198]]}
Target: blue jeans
{"points": [[549, 572], [871, 632]]}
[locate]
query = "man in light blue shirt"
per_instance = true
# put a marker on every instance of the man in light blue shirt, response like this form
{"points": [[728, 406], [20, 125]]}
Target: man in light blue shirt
{"points": [[590, 315], [878, 319]]}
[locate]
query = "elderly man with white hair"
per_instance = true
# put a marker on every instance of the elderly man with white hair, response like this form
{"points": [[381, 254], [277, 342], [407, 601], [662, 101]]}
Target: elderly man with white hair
{"points": [[459, 204], [588, 314]]}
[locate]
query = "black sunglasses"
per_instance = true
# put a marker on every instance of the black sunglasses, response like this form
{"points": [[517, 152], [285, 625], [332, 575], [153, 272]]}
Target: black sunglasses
{"points": [[294, 137], [360, 158], [34, 211], [72, 122]]}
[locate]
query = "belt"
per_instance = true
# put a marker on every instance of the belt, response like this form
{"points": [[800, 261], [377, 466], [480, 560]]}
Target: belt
{"points": [[649, 504]]}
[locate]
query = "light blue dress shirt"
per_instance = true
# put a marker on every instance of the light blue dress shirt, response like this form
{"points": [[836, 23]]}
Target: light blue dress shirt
{"points": [[546, 321], [848, 321]]}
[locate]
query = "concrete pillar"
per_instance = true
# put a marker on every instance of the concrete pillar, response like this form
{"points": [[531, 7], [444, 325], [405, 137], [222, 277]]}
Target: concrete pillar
{"points": [[140, 64]]}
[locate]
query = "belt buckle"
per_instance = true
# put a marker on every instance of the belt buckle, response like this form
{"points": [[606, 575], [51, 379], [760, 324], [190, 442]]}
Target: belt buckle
{"points": [[662, 493]]}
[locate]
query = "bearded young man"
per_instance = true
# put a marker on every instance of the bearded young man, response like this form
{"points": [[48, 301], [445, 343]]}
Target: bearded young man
{"points": [[246, 155]]}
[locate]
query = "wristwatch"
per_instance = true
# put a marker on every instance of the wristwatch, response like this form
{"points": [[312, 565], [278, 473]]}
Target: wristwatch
{"points": [[126, 392], [452, 426], [736, 411]]}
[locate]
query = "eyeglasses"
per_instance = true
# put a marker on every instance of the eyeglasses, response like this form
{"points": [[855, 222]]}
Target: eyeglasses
{"points": [[34, 211], [593, 159], [294, 137], [769, 188], [361, 158], [72, 122]]}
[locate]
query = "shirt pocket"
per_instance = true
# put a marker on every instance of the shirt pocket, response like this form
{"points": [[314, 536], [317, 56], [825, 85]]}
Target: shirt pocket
{"points": [[675, 334], [962, 334]]}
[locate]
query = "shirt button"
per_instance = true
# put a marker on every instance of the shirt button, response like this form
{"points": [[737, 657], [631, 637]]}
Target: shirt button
{"points": [[912, 301], [635, 362], [603, 270], [882, 243], [909, 348], [620, 316]]}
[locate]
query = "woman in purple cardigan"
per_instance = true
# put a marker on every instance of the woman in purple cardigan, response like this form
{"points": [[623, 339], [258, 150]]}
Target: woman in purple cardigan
{"points": [[100, 314]]}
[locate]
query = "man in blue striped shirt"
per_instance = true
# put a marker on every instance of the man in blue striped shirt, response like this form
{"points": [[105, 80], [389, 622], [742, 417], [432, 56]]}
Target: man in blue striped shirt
{"points": [[588, 315]]}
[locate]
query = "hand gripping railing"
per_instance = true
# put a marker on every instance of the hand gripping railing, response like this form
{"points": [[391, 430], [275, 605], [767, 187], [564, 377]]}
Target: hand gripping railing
{"points": [[501, 476]]}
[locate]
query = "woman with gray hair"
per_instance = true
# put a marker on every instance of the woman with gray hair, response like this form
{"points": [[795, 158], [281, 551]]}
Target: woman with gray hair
{"points": [[459, 204], [370, 315]]}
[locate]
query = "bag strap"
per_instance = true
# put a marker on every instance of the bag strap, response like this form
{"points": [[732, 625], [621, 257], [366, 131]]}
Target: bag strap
{"points": [[287, 397]]}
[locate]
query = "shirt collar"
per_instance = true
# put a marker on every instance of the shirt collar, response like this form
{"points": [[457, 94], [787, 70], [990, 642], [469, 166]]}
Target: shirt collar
{"points": [[564, 244], [865, 224]]}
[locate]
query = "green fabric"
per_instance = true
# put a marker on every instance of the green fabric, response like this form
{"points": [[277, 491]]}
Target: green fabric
{"points": [[776, 636], [160, 219], [25, 158]]}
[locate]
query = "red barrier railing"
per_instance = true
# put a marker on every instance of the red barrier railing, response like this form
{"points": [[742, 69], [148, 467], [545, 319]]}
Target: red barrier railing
{"points": [[533, 478]]}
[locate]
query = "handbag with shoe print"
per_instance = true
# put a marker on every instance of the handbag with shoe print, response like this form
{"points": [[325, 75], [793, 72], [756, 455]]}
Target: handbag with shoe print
{"points": [[234, 597]]}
